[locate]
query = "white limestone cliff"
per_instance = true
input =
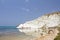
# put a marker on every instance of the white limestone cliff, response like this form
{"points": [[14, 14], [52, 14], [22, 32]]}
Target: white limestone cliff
{"points": [[40, 25]]}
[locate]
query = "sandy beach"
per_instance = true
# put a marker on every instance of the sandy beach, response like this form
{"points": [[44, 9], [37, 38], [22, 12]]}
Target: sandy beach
{"points": [[14, 37]]}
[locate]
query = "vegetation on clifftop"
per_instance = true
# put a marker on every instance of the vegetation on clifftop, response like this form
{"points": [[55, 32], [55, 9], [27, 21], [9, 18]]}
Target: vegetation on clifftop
{"points": [[58, 37]]}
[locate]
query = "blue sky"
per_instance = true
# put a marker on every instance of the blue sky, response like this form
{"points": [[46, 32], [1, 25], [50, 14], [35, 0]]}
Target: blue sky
{"points": [[15, 12]]}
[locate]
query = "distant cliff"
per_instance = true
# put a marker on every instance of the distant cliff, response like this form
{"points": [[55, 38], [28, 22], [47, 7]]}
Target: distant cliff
{"points": [[41, 25]]}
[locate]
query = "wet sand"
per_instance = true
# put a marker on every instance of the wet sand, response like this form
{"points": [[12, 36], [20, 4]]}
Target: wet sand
{"points": [[14, 36], [10, 38]]}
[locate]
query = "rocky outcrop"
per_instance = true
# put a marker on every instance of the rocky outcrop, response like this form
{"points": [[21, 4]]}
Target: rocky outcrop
{"points": [[49, 36], [42, 26]]}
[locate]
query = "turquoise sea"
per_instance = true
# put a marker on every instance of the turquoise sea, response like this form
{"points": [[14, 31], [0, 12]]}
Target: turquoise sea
{"points": [[12, 33], [9, 30]]}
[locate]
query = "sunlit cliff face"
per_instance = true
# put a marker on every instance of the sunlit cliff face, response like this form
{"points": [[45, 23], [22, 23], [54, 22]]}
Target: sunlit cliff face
{"points": [[35, 26]]}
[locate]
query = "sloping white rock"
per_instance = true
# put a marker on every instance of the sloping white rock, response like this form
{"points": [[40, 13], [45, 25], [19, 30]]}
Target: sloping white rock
{"points": [[34, 26]]}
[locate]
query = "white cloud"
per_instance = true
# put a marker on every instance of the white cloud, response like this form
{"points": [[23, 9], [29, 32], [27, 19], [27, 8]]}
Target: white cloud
{"points": [[26, 9], [26, 0]]}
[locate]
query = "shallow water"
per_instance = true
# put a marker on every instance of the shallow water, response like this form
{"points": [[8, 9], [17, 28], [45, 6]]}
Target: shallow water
{"points": [[12, 33]]}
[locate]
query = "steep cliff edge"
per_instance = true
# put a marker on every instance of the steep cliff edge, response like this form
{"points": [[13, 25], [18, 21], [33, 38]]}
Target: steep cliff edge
{"points": [[42, 26]]}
